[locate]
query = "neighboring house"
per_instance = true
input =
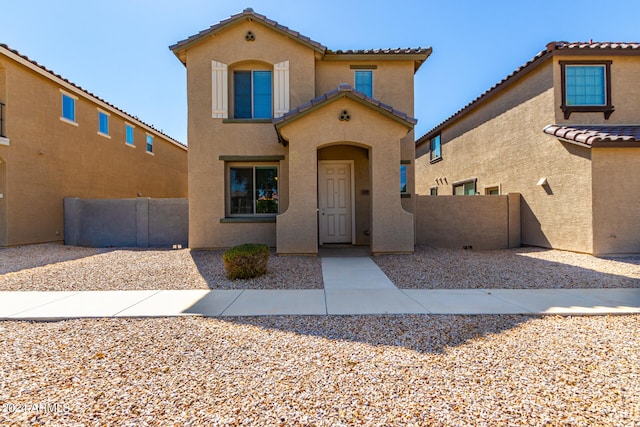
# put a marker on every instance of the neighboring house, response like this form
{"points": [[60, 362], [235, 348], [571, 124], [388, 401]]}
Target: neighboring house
{"points": [[563, 131], [57, 140], [294, 145]]}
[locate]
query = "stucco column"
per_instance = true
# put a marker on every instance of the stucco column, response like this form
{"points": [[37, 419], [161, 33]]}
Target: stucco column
{"points": [[392, 227], [297, 227]]}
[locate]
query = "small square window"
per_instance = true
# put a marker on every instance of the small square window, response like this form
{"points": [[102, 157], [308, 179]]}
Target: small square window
{"points": [[586, 87], [149, 144], [129, 134], [433, 191], [364, 82], [435, 147], [103, 123], [68, 108], [465, 188], [492, 191]]}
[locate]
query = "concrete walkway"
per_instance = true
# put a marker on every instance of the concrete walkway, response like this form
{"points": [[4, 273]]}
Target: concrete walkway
{"points": [[352, 286]]}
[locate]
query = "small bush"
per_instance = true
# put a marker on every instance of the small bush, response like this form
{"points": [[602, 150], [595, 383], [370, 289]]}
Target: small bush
{"points": [[246, 261]]}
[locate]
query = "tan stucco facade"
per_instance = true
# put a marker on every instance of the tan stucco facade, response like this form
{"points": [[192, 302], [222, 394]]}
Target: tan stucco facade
{"points": [[373, 140], [572, 197], [44, 159]]}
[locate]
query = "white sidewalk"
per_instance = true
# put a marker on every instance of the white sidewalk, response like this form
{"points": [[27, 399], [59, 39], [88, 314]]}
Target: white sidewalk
{"points": [[352, 286]]}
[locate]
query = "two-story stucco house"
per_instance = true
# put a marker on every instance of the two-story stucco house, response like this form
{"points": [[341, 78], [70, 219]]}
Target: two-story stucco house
{"points": [[563, 131], [58, 140], [294, 145]]}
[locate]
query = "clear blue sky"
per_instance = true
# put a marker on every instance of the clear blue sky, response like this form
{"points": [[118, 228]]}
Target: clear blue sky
{"points": [[119, 49]]}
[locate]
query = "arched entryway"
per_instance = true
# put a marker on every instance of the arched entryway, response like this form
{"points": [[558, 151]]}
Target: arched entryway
{"points": [[3, 202], [344, 202]]}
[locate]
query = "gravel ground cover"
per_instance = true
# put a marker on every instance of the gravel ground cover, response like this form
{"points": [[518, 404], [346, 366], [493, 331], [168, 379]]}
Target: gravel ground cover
{"points": [[323, 371], [521, 268], [52, 267]]}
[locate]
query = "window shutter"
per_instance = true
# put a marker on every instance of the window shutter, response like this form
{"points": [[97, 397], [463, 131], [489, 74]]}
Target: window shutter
{"points": [[281, 88], [220, 91]]}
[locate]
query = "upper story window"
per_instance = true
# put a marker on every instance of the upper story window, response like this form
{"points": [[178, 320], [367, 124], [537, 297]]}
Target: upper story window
{"points": [[129, 134], [586, 87], [364, 81], [252, 94], [149, 143], [403, 178], [68, 107], [436, 148], [103, 123], [260, 93]]}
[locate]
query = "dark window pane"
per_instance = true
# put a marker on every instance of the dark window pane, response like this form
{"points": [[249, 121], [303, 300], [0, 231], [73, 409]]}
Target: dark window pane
{"points": [[242, 94], [266, 189], [241, 180]]}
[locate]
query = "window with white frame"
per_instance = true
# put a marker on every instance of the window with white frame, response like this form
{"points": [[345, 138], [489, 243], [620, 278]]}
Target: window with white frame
{"points": [[129, 134], [103, 123], [465, 188], [435, 148], [149, 143], [252, 189], [68, 107]]}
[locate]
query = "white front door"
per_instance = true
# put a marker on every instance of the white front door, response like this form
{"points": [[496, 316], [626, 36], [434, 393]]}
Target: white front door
{"points": [[335, 201]]}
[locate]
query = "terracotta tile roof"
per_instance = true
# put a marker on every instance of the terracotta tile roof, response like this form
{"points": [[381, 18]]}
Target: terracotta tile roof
{"points": [[392, 51], [590, 47], [247, 13], [597, 136], [343, 90], [52, 75]]}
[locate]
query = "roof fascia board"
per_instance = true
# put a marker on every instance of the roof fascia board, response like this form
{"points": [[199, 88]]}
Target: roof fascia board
{"points": [[74, 89]]}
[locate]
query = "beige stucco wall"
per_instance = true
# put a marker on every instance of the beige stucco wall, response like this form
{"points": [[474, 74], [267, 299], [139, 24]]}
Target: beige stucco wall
{"points": [[210, 138], [616, 205], [392, 228], [48, 159], [501, 143], [482, 222]]}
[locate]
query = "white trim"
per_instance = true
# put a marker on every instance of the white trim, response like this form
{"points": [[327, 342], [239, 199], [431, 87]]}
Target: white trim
{"points": [[71, 122], [5, 141], [219, 90], [71, 88], [351, 164], [280, 89], [104, 135]]}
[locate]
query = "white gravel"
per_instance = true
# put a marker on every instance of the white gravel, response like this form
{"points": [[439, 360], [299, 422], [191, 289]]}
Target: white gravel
{"points": [[323, 371], [521, 268], [52, 267]]}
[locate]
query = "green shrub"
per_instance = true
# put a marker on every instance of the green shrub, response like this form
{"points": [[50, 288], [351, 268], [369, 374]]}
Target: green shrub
{"points": [[246, 261]]}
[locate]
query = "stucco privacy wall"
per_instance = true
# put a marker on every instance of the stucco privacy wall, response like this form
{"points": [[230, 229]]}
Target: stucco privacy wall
{"points": [[140, 222], [501, 143], [392, 228], [616, 206], [481, 222], [48, 159]]}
